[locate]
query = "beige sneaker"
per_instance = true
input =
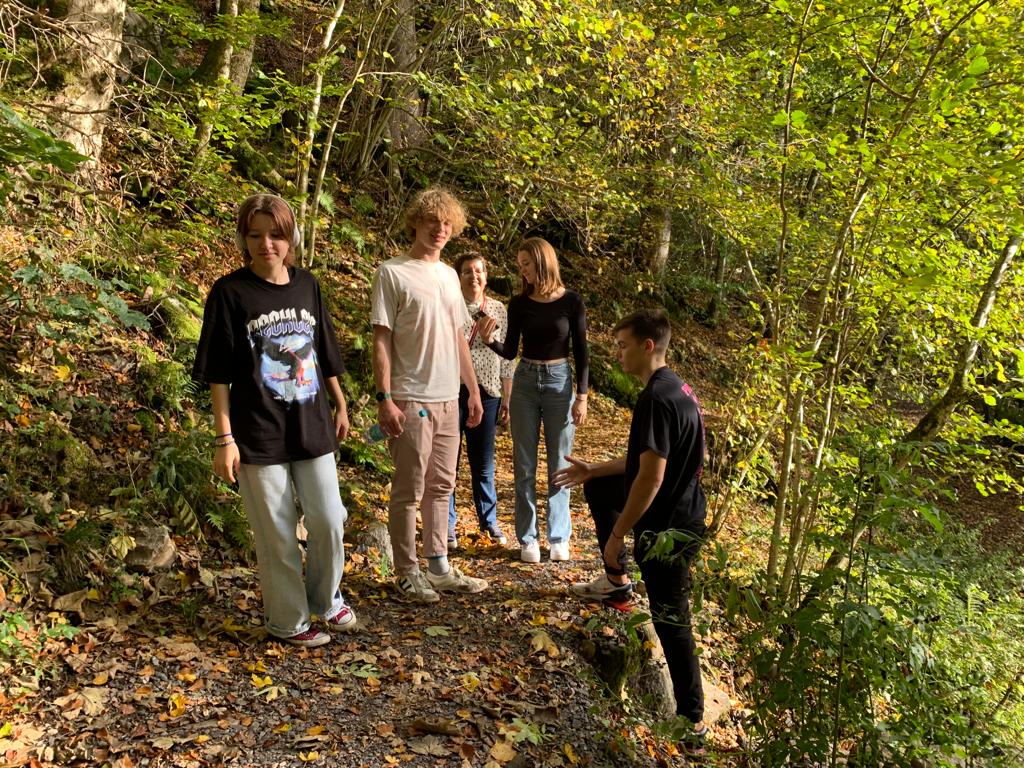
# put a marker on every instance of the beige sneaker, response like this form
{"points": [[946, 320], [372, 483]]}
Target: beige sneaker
{"points": [[456, 581], [416, 588], [559, 552]]}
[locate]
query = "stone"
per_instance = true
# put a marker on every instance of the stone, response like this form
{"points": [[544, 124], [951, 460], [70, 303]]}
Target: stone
{"points": [[154, 550]]}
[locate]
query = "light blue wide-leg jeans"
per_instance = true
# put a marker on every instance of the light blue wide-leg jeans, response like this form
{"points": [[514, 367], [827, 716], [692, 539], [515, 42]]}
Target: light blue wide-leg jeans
{"points": [[541, 393], [288, 599]]}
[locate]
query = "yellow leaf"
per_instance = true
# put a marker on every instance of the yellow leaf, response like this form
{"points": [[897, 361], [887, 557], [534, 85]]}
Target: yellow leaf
{"points": [[570, 753], [260, 682], [201, 738], [257, 667], [283, 728], [503, 751], [176, 705], [61, 372], [470, 681], [309, 757], [316, 730], [101, 679], [134, 428]]}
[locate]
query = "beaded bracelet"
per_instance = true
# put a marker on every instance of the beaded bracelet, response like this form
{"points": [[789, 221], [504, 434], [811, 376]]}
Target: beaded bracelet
{"points": [[224, 444]]}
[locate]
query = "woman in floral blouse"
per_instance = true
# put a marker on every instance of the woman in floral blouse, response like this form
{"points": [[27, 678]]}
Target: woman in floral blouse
{"points": [[494, 375]]}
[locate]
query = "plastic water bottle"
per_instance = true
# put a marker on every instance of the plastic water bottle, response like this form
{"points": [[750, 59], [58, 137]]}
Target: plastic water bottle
{"points": [[375, 433]]}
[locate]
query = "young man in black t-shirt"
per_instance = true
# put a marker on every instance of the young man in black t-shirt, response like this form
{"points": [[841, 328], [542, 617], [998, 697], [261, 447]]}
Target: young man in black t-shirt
{"points": [[655, 491]]}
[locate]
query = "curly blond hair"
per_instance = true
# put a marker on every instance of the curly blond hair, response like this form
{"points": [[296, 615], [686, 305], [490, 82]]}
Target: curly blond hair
{"points": [[436, 201]]}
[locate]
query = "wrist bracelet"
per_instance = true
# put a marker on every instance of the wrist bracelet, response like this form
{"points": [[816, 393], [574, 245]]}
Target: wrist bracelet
{"points": [[221, 437], [620, 538], [224, 444]]}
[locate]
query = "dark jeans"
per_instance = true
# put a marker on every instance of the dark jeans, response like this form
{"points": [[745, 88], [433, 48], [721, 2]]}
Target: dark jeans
{"points": [[480, 452], [668, 583]]}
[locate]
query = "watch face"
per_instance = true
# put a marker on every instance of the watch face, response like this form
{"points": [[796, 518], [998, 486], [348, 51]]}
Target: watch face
{"points": [[381, 397]]}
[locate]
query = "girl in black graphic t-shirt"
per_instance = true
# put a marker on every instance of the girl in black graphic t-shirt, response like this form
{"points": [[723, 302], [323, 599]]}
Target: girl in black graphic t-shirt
{"points": [[269, 354]]}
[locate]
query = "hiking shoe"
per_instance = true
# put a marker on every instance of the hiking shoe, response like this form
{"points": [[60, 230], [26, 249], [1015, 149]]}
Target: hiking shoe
{"points": [[456, 581], [530, 553], [693, 744], [416, 588], [559, 552], [343, 621], [602, 588], [494, 533], [453, 541], [311, 638]]}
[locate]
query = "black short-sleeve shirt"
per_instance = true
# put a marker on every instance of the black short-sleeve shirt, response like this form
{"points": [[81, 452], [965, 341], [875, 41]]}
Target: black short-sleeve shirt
{"points": [[275, 345], [667, 420]]}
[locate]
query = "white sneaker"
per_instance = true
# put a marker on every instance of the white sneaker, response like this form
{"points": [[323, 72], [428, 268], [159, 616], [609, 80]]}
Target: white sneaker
{"points": [[601, 588], [559, 552], [416, 588], [530, 553], [456, 581]]}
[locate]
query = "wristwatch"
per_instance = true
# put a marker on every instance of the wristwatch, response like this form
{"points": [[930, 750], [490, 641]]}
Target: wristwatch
{"points": [[382, 396]]}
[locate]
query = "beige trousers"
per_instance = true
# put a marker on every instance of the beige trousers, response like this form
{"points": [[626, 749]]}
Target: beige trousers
{"points": [[425, 456]]}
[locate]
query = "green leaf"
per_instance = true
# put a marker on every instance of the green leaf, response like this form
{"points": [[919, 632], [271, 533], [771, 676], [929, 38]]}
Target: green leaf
{"points": [[780, 119], [798, 118], [437, 631], [989, 400], [978, 66]]}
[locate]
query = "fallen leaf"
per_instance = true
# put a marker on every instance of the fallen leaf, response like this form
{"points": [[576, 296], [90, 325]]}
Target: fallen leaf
{"points": [[429, 745], [437, 631], [541, 642], [502, 751]]}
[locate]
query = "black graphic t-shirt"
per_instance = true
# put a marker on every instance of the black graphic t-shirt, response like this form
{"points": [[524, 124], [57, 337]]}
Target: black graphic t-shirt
{"points": [[667, 420], [275, 346]]}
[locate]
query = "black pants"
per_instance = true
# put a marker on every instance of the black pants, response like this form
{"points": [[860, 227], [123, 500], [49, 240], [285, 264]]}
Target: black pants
{"points": [[668, 583]]}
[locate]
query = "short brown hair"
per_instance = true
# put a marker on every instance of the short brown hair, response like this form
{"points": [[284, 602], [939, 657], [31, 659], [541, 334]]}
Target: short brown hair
{"points": [[439, 202], [278, 210], [646, 324], [545, 261], [468, 256]]}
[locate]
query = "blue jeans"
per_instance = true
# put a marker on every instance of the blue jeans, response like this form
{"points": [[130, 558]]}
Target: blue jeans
{"points": [[541, 392], [480, 453]]}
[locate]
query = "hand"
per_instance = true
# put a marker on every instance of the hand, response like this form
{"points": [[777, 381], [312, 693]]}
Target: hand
{"points": [[503, 412], [485, 327], [225, 462], [577, 473], [613, 551], [391, 418], [341, 425], [579, 411], [475, 410]]}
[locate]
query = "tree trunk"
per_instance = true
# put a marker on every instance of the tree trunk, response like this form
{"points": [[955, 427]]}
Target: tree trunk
{"points": [[214, 70], [657, 254], [241, 57], [94, 31]]}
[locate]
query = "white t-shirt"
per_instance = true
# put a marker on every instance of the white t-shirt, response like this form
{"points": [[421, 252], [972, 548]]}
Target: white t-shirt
{"points": [[421, 302]]}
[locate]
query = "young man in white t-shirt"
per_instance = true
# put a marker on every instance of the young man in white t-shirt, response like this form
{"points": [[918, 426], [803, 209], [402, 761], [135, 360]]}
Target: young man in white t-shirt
{"points": [[419, 356]]}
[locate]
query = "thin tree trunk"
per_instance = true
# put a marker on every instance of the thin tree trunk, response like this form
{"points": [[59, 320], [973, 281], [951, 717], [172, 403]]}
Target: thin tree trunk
{"points": [[657, 253], [214, 70]]}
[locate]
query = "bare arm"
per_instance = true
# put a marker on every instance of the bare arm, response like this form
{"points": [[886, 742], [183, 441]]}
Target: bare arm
{"points": [[578, 472], [641, 493], [225, 457], [341, 424], [468, 375], [391, 418]]}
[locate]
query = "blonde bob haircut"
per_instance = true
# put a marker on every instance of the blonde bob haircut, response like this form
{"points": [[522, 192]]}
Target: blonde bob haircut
{"points": [[545, 262], [439, 202]]}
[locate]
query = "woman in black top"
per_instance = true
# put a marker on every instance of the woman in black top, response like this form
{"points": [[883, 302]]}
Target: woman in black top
{"points": [[550, 319]]}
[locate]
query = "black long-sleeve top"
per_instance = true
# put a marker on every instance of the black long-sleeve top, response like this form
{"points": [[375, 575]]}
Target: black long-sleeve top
{"points": [[547, 328]]}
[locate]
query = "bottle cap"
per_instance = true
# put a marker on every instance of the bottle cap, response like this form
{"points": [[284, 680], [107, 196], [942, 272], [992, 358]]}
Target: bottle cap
{"points": [[423, 411]]}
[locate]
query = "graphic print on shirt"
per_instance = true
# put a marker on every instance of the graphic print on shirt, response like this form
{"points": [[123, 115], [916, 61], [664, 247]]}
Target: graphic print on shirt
{"points": [[284, 340]]}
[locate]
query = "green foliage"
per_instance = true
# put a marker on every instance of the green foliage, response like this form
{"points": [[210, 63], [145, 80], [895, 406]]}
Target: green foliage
{"points": [[31, 651], [22, 146]]}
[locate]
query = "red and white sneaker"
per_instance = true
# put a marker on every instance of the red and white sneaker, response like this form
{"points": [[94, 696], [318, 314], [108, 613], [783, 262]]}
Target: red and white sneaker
{"points": [[311, 638], [343, 621]]}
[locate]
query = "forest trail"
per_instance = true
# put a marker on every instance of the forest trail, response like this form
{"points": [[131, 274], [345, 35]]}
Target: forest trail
{"points": [[182, 675]]}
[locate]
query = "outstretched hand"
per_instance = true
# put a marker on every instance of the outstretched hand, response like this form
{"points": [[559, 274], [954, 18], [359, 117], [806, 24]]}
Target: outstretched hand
{"points": [[577, 473]]}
